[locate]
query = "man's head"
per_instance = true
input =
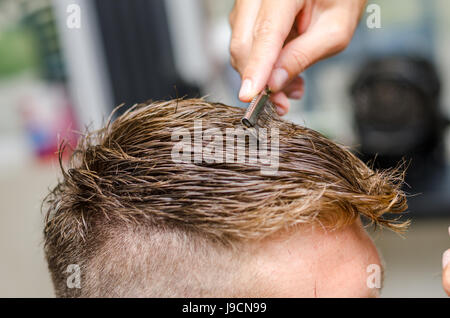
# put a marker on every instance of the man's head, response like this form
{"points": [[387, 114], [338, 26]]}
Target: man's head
{"points": [[140, 222]]}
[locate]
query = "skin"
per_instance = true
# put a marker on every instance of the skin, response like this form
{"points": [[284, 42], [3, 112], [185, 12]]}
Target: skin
{"points": [[274, 41], [446, 270], [312, 262]]}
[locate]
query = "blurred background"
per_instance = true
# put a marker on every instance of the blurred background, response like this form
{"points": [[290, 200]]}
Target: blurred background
{"points": [[387, 96]]}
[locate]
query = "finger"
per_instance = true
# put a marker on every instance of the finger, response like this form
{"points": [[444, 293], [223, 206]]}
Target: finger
{"points": [[272, 26], [293, 34], [281, 102], [242, 20], [304, 17], [306, 50], [446, 271], [295, 89]]}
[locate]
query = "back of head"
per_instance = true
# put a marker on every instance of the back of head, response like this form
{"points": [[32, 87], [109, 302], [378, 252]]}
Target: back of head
{"points": [[147, 207]]}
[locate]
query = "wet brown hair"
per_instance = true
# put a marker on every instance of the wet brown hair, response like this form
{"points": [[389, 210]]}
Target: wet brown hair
{"points": [[122, 182]]}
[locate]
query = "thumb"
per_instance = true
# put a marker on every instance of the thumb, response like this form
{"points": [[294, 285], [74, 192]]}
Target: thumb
{"points": [[306, 50]]}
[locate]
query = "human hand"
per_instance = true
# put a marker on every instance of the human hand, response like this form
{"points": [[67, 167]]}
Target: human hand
{"points": [[274, 41], [446, 270]]}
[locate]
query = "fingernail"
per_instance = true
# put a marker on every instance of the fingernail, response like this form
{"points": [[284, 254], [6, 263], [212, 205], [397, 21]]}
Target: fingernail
{"points": [[281, 111], [246, 89], [279, 78], [446, 258], [296, 94]]}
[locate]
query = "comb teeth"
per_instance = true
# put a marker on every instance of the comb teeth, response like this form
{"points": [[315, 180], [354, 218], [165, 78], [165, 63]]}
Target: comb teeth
{"points": [[256, 108]]}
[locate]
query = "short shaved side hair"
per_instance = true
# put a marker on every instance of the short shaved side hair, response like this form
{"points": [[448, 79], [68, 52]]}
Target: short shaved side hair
{"points": [[139, 223]]}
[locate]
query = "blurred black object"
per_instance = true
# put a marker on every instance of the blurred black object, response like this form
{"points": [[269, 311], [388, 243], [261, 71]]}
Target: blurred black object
{"points": [[398, 118], [138, 51], [41, 22]]}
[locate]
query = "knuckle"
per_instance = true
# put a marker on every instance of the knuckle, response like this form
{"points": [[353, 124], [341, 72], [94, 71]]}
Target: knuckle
{"points": [[300, 59], [237, 47], [265, 30], [339, 37], [231, 18]]}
